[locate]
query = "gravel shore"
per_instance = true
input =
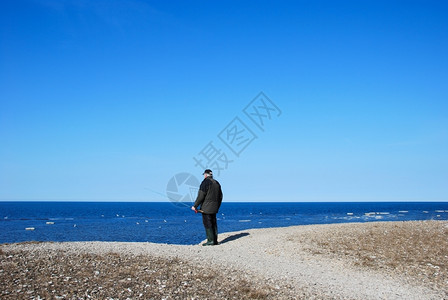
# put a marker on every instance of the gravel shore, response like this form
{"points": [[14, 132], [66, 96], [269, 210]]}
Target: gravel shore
{"points": [[389, 260]]}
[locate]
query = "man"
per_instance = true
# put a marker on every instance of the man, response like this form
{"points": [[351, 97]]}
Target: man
{"points": [[209, 199]]}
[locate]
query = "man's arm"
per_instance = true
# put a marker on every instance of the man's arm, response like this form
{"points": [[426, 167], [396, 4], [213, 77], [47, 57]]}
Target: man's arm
{"points": [[201, 195], [200, 199]]}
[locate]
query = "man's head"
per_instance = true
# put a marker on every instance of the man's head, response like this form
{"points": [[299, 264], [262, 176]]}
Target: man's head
{"points": [[207, 173]]}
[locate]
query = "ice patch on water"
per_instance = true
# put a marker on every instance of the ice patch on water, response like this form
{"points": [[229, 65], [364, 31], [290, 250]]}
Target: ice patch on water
{"points": [[371, 214]]}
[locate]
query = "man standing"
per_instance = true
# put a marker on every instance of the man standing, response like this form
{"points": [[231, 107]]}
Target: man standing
{"points": [[209, 198]]}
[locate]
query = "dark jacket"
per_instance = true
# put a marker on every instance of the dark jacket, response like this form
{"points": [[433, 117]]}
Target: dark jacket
{"points": [[209, 196]]}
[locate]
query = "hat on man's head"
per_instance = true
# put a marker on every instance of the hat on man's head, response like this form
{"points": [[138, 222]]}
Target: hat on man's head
{"points": [[208, 171]]}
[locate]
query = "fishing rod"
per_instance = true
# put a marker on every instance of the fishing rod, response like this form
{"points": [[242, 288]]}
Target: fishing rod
{"points": [[198, 210], [166, 196]]}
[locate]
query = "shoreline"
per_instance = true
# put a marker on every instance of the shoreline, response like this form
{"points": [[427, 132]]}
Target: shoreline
{"points": [[329, 261]]}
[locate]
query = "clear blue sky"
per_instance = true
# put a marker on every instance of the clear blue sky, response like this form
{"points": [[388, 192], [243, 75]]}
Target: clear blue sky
{"points": [[108, 100]]}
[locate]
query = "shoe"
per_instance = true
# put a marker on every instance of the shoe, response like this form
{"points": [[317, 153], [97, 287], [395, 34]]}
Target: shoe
{"points": [[215, 235], [210, 237]]}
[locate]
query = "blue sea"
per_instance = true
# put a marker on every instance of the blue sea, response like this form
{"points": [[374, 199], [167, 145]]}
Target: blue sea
{"points": [[165, 222]]}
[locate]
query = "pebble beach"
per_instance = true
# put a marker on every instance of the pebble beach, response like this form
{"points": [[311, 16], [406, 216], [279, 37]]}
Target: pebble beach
{"points": [[378, 260]]}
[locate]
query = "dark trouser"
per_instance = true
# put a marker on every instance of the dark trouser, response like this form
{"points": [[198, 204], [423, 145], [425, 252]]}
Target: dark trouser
{"points": [[211, 226]]}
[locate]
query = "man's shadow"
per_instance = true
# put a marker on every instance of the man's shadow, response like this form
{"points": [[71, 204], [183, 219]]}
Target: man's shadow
{"points": [[234, 237]]}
